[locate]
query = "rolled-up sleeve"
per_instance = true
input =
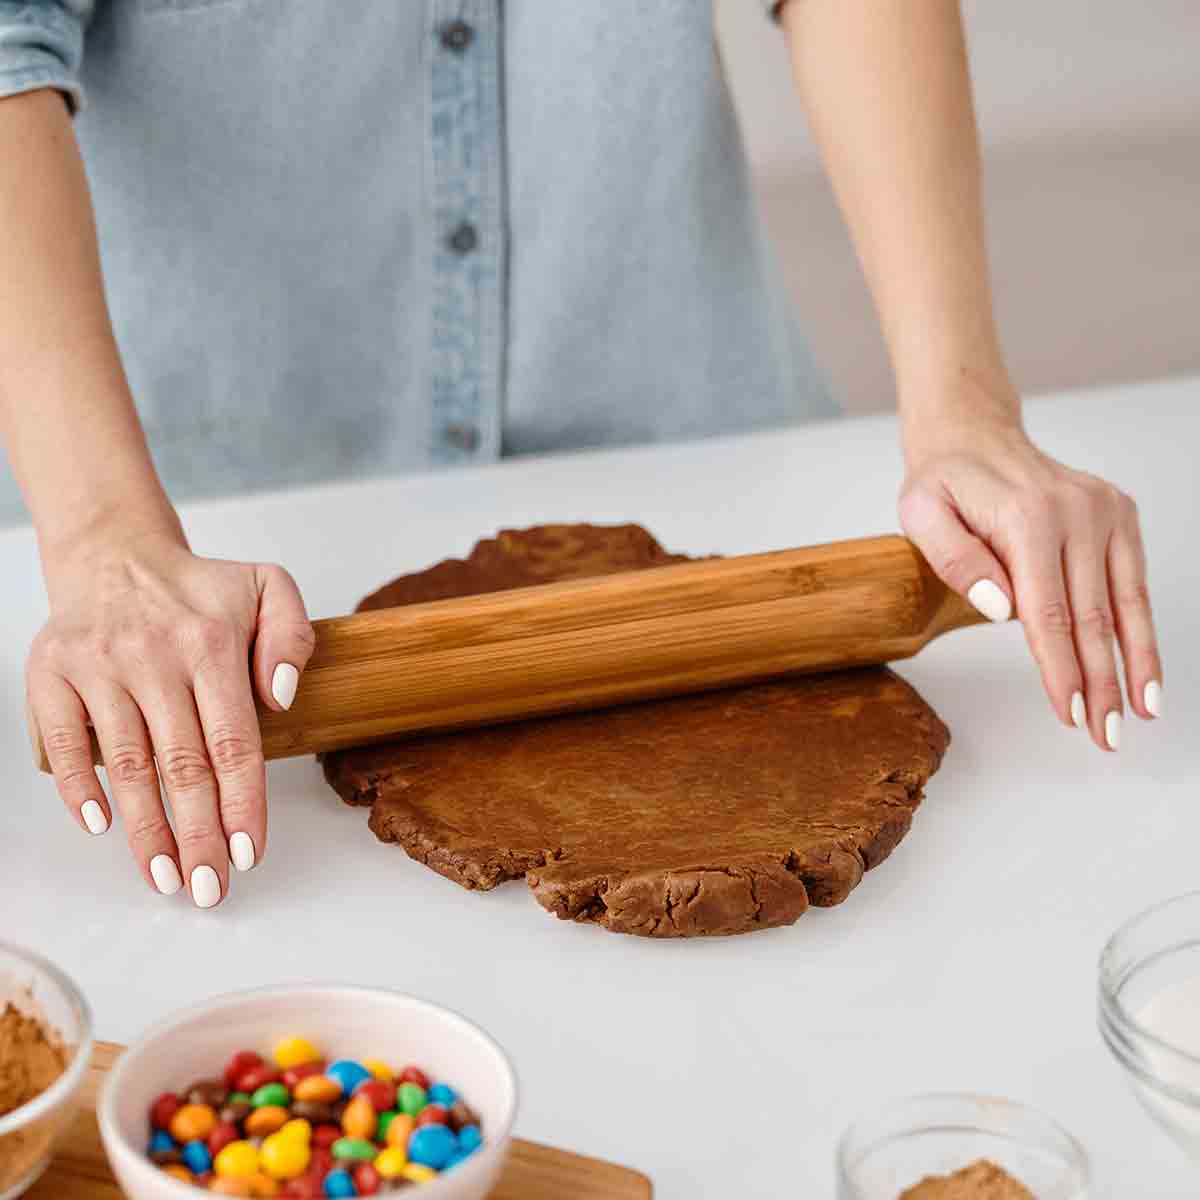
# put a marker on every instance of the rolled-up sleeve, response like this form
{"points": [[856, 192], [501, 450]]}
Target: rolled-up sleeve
{"points": [[41, 45]]}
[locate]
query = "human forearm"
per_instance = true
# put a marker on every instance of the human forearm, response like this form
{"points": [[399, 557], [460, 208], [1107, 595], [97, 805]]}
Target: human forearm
{"points": [[888, 93], [66, 416]]}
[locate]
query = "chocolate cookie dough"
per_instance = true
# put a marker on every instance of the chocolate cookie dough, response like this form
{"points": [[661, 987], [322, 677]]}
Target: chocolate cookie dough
{"points": [[717, 813], [982, 1180]]}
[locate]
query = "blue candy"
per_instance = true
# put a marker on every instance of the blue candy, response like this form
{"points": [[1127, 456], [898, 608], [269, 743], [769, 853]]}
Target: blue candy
{"points": [[469, 1139], [454, 1159], [160, 1140], [196, 1157], [339, 1183], [443, 1094], [349, 1074], [432, 1146]]}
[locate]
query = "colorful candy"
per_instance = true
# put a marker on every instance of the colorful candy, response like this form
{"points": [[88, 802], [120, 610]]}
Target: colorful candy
{"points": [[294, 1128]]}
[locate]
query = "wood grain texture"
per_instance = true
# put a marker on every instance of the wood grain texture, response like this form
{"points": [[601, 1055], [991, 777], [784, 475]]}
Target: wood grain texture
{"points": [[590, 643], [80, 1171]]}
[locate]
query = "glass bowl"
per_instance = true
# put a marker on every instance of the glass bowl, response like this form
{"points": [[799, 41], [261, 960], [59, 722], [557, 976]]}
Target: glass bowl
{"points": [[1149, 1012], [884, 1154], [29, 1133]]}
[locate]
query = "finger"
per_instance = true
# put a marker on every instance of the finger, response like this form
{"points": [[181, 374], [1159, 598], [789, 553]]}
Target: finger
{"points": [[284, 640], [133, 781], [1130, 598], [191, 787], [1092, 621], [226, 709], [962, 561], [1045, 614], [61, 718]]}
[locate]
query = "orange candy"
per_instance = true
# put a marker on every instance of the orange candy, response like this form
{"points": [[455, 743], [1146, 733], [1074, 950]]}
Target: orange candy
{"points": [[263, 1185], [399, 1131], [359, 1119], [319, 1088], [192, 1122], [229, 1186], [266, 1119], [178, 1171]]}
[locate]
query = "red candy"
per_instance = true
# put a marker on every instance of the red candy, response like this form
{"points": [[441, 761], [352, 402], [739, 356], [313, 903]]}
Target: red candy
{"points": [[293, 1075], [323, 1136], [250, 1081], [163, 1109], [431, 1114], [367, 1180], [413, 1075], [320, 1162], [307, 1187], [382, 1095], [239, 1064], [223, 1133]]}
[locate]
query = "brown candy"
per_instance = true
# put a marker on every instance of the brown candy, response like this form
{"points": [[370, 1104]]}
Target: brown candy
{"points": [[208, 1091], [461, 1114], [236, 1112], [164, 1158], [314, 1112]]}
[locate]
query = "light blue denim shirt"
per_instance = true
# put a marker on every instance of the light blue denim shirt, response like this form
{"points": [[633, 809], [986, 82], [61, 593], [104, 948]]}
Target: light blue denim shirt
{"points": [[349, 239]]}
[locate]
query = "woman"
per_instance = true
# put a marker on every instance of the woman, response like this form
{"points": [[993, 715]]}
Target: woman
{"points": [[356, 239]]}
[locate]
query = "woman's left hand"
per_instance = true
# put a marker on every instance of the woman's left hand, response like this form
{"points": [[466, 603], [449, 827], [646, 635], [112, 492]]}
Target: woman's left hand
{"points": [[1009, 527]]}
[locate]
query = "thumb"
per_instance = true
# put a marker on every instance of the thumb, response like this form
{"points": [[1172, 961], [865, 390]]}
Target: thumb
{"points": [[962, 561], [284, 641]]}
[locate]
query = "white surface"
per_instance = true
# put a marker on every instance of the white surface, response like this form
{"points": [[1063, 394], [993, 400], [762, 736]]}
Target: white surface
{"points": [[723, 1067], [344, 1022]]}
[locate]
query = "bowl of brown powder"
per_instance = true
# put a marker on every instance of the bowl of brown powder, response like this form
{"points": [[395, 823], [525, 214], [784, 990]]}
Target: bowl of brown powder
{"points": [[45, 1048], [958, 1146]]}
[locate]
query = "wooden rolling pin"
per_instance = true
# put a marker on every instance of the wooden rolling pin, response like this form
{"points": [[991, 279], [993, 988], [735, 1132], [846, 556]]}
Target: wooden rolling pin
{"points": [[588, 643]]}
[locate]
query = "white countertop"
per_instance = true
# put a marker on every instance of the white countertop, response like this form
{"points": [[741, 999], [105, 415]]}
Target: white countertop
{"points": [[725, 1066]]}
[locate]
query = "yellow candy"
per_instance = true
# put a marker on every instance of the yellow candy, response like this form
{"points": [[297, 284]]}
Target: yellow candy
{"points": [[238, 1160], [378, 1069], [418, 1173], [299, 1129], [399, 1131], [295, 1052], [284, 1157], [178, 1171], [390, 1163], [359, 1119]]}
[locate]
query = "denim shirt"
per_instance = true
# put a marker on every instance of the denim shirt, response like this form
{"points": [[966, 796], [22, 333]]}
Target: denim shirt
{"points": [[343, 240]]}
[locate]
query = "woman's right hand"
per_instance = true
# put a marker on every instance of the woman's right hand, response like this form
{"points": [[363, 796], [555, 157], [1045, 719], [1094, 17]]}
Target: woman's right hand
{"points": [[160, 649]]}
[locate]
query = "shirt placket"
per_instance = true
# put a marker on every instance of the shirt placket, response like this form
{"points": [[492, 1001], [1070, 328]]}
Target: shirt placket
{"points": [[465, 173]]}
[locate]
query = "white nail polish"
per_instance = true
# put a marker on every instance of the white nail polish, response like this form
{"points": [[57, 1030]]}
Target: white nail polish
{"points": [[93, 817], [165, 874], [990, 600], [241, 851], [1112, 730], [1078, 711], [284, 683], [1152, 698], [206, 887]]}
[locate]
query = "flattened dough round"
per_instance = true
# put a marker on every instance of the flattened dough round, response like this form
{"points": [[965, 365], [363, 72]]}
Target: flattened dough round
{"points": [[719, 813]]}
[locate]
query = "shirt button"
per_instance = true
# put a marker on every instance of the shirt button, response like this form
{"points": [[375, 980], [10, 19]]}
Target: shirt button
{"points": [[463, 238], [457, 36], [463, 437]]}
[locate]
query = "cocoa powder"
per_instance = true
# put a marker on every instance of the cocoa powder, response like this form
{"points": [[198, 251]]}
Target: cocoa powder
{"points": [[32, 1057], [982, 1180]]}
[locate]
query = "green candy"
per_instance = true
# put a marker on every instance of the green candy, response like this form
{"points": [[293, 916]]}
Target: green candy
{"points": [[358, 1149], [271, 1093], [385, 1119], [410, 1098], [238, 1098]]}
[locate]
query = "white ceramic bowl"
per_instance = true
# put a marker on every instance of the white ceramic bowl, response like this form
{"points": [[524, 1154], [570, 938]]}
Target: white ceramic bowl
{"points": [[345, 1022], [28, 1134]]}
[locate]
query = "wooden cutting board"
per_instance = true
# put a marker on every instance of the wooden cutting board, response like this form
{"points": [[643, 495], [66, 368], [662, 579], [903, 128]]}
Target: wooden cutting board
{"points": [[80, 1171]]}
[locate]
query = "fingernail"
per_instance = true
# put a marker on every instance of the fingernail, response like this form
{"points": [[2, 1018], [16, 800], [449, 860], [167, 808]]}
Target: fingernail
{"points": [[206, 887], [165, 874], [284, 683], [1112, 730], [241, 851], [1078, 711], [990, 600], [1152, 698], [93, 817]]}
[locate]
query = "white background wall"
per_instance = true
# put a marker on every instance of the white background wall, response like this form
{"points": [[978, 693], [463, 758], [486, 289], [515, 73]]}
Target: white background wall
{"points": [[1090, 117]]}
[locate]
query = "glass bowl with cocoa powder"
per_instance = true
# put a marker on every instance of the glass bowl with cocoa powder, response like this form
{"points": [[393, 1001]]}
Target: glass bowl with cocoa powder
{"points": [[959, 1146], [45, 1048]]}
